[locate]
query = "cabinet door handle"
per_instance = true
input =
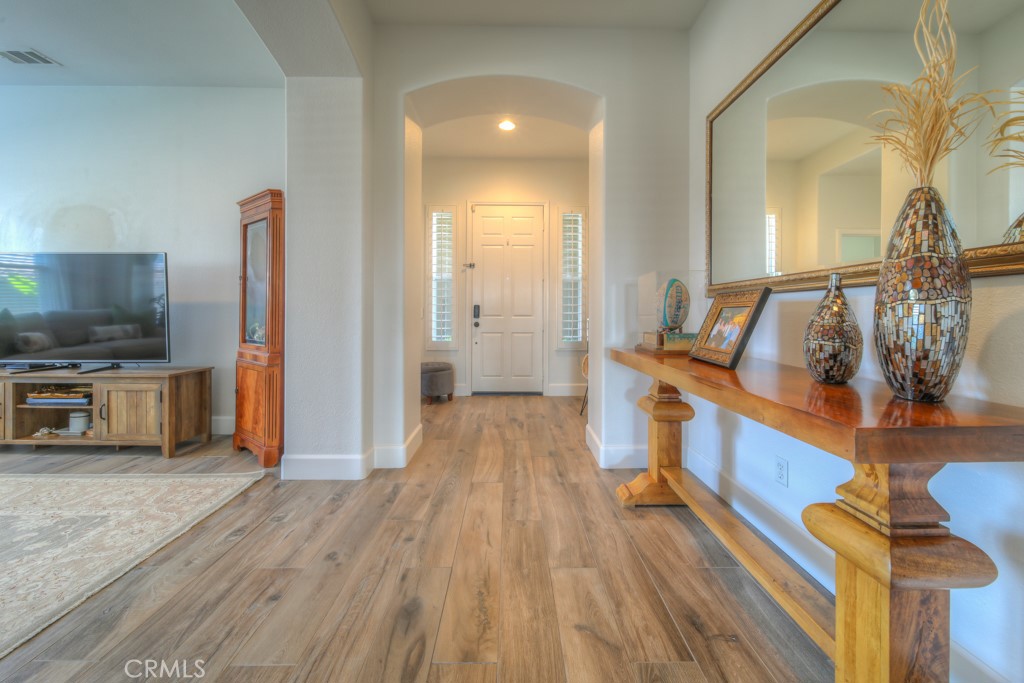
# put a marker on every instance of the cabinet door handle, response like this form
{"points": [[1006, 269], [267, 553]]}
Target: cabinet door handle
{"points": [[103, 411]]}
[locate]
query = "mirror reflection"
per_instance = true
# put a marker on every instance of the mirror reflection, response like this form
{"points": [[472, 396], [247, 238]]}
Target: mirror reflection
{"points": [[798, 184]]}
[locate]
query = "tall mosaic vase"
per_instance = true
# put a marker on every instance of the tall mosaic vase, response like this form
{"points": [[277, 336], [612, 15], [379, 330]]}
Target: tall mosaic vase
{"points": [[923, 301], [833, 344], [1015, 233]]}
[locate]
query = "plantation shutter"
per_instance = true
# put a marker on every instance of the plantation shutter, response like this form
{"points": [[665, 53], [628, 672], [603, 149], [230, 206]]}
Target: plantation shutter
{"points": [[772, 242], [441, 255], [19, 287], [573, 278]]}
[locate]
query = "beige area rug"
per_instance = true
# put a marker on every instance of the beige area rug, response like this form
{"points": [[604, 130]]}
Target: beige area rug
{"points": [[64, 537]]}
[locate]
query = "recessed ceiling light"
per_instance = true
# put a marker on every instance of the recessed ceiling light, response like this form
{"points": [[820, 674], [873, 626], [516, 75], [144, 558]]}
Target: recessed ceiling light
{"points": [[507, 124]]}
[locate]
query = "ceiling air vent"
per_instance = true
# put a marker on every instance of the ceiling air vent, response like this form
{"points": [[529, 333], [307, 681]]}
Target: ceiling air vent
{"points": [[29, 56]]}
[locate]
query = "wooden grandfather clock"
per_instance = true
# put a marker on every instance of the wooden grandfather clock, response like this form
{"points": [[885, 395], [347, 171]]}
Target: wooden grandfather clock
{"points": [[259, 365]]}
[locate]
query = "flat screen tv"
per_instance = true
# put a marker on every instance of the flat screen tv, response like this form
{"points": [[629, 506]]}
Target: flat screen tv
{"points": [[75, 308]]}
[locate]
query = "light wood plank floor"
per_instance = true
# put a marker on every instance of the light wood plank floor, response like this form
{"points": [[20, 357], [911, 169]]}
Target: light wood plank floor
{"points": [[499, 554]]}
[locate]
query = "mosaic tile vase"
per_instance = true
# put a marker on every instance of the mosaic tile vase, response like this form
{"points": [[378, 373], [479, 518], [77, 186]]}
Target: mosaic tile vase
{"points": [[833, 344], [923, 301], [1015, 232]]}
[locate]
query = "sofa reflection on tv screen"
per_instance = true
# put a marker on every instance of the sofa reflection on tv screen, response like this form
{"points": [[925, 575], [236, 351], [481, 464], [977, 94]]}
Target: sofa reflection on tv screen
{"points": [[102, 334]]}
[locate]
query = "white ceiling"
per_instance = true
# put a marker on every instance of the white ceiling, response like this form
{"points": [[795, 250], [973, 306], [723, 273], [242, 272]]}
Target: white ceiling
{"points": [[210, 42], [968, 16], [795, 138], [671, 14], [504, 95], [853, 101], [135, 42], [479, 136], [460, 118], [867, 164]]}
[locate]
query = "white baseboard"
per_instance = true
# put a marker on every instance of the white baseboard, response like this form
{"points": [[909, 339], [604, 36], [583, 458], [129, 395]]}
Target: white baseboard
{"points": [[593, 443], [966, 668], [324, 466], [616, 457], [789, 535], [551, 390], [336, 466], [565, 390], [389, 457], [222, 424]]}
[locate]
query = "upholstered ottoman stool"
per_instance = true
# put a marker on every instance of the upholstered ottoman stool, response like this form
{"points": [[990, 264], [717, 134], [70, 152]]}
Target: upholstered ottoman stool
{"points": [[437, 379]]}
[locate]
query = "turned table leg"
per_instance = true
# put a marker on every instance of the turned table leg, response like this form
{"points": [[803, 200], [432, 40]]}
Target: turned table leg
{"points": [[895, 565], [666, 412]]}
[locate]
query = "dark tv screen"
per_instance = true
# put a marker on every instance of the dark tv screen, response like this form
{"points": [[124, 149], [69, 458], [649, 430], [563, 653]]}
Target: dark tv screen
{"points": [[83, 308]]}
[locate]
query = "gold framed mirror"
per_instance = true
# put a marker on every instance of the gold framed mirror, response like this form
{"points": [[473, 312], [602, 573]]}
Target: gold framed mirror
{"points": [[796, 188]]}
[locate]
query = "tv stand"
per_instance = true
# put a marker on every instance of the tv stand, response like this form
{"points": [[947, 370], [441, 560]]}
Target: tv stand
{"points": [[112, 366], [129, 407]]}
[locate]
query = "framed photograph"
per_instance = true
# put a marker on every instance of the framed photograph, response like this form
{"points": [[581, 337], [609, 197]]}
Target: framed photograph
{"points": [[728, 325]]}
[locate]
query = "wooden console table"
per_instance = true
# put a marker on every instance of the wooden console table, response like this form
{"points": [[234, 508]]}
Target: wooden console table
{"points": [[895, 561]]}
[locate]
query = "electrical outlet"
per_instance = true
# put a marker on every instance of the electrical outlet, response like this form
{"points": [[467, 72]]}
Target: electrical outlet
{"points": [[782, 471]]}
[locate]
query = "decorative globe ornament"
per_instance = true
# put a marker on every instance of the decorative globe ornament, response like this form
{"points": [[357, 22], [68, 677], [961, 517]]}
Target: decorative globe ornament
{"points": [[673, 305], [833, 344]]}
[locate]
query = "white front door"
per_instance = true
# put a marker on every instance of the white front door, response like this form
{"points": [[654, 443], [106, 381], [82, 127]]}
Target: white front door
{"points": [[508, 286]]}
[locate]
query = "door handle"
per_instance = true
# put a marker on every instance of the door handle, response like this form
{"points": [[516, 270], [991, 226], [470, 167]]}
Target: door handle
{"points": [[103, 411], [476, 311]]}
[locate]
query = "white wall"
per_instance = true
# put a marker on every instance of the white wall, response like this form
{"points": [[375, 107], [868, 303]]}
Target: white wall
{"points": [[644, 171], [781, 195], [357, 25], [735, 455], [826, 203], [597, 254], [325, 282], [411, 348], [325, 50], [556, 183], [848, 202], [147, 169]]}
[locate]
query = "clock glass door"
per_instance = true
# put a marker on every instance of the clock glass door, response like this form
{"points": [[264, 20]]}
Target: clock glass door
{"points": [[256, 274]]}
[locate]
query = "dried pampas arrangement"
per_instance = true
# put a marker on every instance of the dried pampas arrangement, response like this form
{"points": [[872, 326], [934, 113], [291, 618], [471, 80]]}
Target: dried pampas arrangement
{"points": [[923, 298], [1008, 131], [1006, 141], [928, 120]]}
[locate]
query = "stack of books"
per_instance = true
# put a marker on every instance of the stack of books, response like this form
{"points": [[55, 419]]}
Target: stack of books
{"points": [[679, 341], [667, 343], [64, 396]]}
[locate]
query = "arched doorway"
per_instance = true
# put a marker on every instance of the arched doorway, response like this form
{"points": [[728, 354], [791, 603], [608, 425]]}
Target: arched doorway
{"points": [[457, 161]]}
